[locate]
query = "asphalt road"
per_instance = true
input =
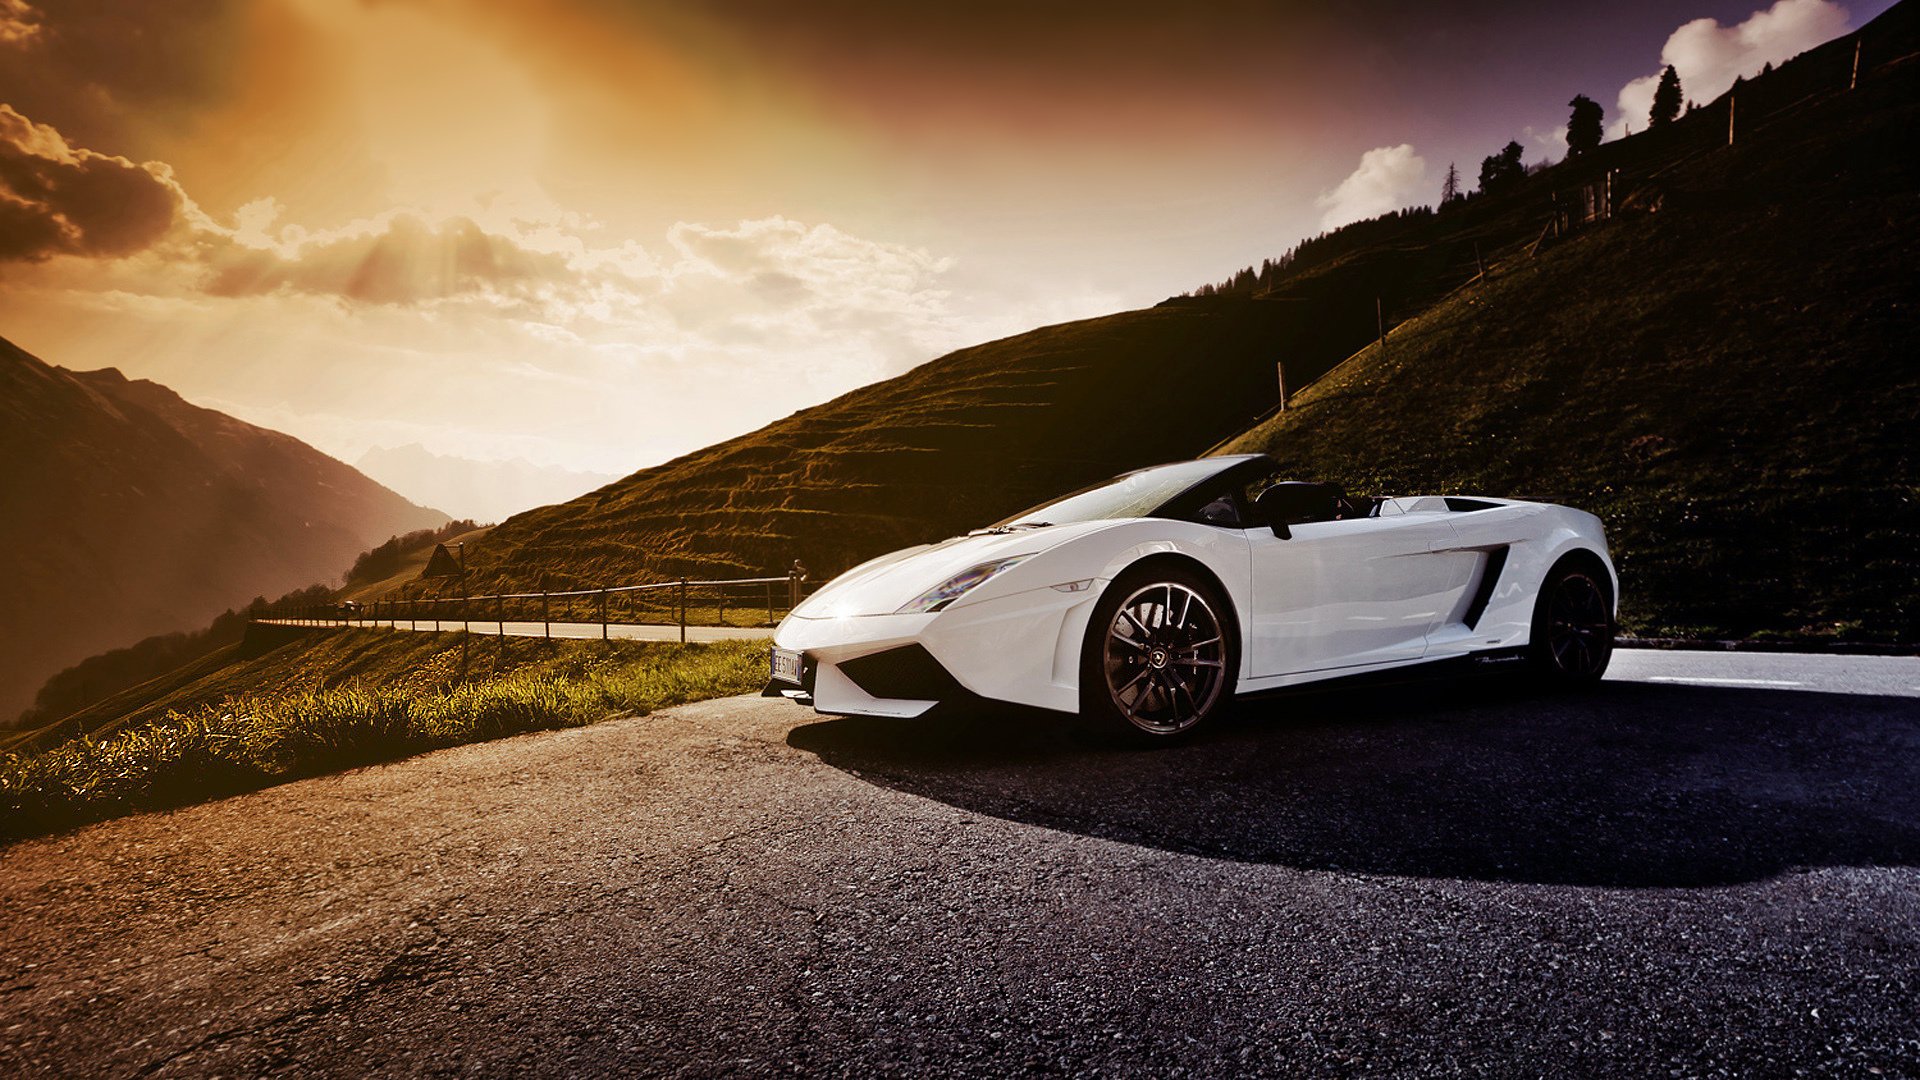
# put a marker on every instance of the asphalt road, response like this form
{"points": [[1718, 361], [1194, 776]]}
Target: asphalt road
{"points": [[1660, 878]]}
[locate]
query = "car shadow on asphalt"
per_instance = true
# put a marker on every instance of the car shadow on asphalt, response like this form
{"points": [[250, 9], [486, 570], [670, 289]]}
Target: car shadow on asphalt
{"points": [[1629, 784]]}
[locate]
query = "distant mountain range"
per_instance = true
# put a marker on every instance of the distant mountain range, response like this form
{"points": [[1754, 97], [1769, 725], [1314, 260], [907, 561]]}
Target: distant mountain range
{"points": [[127, 512], [471, 488]]}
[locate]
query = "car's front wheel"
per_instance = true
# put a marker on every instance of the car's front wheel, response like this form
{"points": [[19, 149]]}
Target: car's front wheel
{"points": [[1159, 658], [1573, 625]]}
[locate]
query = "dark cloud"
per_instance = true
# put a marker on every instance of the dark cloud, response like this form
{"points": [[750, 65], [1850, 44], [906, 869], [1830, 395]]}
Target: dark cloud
{"points": [[398, 260], [60, 200], [102, 71]]}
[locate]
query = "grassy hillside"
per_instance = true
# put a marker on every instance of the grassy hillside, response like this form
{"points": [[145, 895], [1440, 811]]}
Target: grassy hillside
{"points": [[973, 436], [1730, 382], [1652, 334], [953, 444], [293, 703], [84, 697]]}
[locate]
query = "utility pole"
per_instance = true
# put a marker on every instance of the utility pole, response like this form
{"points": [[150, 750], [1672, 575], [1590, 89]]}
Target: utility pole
{"points": [[1853, 81], [1380, 321], [1280, 369], [1731, 102]]}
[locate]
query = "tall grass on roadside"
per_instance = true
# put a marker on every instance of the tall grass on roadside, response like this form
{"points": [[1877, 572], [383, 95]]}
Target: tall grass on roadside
{"points": [[258, 739]]}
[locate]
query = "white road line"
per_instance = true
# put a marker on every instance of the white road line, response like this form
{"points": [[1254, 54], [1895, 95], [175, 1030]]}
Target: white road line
{"points": [[1724, 682]]}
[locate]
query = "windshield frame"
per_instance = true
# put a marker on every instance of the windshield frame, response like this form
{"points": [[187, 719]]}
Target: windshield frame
{"points": [[1173, 506]]}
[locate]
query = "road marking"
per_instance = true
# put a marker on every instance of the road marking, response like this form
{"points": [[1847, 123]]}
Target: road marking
{"points": [[1724, 682]]}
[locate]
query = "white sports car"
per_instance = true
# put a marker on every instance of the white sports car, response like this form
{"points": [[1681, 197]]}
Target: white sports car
{"points": [[1145, 602]]}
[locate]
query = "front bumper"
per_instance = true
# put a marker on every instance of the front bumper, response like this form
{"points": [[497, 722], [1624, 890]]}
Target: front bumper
{"points": [[1023, 648]]}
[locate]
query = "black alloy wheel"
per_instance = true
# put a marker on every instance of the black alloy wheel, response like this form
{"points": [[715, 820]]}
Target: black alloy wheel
{"points": [[1160, 656], [1573, 626]]}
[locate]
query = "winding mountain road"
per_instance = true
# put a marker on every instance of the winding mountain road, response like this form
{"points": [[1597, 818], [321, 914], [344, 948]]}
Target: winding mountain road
{"points": [[1710, 865]]}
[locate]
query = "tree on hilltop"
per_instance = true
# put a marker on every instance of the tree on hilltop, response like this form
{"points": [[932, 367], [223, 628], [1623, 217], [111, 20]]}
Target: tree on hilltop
{"points": [[1666, 99], [1450, 188], [1584, 125], [1502, 170]]}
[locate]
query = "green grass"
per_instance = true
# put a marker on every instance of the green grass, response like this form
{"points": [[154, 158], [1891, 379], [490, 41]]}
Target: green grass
{"points": [[335, 699]]}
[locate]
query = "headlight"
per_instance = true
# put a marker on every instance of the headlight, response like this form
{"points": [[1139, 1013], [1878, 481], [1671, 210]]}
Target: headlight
{"points": [[956, 586]]}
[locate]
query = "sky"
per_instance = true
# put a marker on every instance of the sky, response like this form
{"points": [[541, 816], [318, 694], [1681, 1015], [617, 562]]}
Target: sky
{"points": [[595, 234]]}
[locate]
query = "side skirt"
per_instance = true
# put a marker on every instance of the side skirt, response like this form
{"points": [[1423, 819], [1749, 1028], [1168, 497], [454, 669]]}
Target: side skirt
{"points": [[1483, 662]]}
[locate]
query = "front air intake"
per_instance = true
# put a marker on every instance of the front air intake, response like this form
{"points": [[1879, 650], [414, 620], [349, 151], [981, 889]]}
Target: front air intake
{"points": [[907, 673]]}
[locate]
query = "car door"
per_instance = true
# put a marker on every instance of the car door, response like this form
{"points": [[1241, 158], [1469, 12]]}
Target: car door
{"points": [[1349, 593]]}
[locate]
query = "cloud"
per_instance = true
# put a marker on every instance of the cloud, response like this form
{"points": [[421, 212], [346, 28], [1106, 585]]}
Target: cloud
{"points": [[1709, 56], [19, 22], [398, 258], [504, 326], [56, 199], [1553, 141], [1389, 177]]}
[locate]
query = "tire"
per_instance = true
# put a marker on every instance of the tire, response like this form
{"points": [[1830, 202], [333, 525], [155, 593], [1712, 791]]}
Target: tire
{"points": [[1573, 627], [1160, 658]]}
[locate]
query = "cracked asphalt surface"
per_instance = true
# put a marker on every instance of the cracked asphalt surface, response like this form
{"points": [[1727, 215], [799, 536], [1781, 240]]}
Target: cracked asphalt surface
{"points": [[1451, 878]]}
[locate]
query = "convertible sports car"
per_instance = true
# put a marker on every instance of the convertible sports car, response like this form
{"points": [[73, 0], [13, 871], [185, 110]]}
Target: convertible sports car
{"points": [[1145, 602]]}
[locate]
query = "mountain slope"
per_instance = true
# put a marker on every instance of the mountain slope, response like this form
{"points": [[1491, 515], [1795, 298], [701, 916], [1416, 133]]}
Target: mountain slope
{"points": [[126, 512], [1708, 320], [1729, 382], [953, 444]]}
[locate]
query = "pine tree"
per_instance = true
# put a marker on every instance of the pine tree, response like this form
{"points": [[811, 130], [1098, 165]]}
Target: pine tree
{"points": [[1584, 125], [1666, 99], [1450, 188]]}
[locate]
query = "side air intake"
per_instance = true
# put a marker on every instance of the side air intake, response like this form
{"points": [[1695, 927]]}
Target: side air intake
{"points": [[1483, 593]]}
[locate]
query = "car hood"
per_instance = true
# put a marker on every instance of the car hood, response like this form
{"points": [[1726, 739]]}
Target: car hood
{"points": [[884, 585]]}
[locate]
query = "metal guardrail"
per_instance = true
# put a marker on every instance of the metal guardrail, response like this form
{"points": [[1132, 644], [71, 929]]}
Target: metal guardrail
{"points": [[736, 602]]}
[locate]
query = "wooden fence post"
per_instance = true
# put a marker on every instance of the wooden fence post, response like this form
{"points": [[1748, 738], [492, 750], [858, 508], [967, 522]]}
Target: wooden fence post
{"points": [[769, 603], [546, 618], [1853, 80], [683, 610], [603, 614]]}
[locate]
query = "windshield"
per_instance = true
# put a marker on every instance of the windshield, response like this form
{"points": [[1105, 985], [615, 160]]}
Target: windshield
{"points": [[1136, 494]]}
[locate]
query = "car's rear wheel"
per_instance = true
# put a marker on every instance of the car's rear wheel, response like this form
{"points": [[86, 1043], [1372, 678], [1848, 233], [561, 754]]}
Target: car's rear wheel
{"points": [[1573, 626], [1159, 658]]}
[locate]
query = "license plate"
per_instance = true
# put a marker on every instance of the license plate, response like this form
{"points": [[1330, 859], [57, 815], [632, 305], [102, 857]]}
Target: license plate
{"points": [[786, 666]]}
